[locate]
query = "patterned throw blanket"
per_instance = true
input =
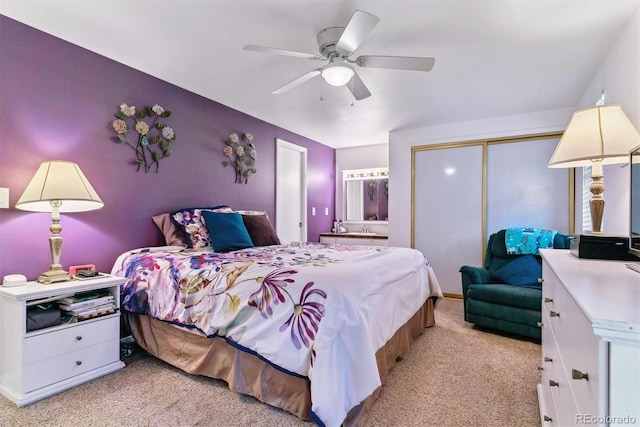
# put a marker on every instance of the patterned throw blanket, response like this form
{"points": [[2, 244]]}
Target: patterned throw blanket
{"points": [[520, 241], [312, 310]]}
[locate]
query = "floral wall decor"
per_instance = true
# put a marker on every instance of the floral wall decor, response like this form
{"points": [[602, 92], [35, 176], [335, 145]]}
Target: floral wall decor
{"points": [[151, 134], [242, 156]]}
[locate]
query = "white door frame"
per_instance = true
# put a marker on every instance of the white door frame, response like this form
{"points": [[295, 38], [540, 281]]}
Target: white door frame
{"points": [[281, 197]]}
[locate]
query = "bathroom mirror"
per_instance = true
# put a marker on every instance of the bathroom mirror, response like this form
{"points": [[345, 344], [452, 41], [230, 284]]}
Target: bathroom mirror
{"points": [[366, 194]]}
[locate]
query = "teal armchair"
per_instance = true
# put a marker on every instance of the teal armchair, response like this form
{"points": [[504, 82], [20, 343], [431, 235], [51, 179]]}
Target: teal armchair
{"points": [[505, 295]]}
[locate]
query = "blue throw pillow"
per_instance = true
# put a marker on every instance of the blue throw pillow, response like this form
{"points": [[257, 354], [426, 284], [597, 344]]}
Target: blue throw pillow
{"points": [[227, 231], [523, 271]]}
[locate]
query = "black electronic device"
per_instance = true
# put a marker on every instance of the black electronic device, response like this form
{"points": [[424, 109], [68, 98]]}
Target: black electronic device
{"points": [[634, 201], [85, 273], [601, 246]]}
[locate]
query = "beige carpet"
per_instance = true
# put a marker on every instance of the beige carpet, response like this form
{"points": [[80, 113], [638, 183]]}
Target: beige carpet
{"points": [[454, 375]]}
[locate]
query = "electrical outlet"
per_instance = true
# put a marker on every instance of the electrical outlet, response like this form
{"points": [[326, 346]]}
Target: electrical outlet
{"points": [[4, 198], [313, 211]]}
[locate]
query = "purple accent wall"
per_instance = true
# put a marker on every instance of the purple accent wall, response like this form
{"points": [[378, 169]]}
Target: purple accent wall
{"points": [[58, 102]]}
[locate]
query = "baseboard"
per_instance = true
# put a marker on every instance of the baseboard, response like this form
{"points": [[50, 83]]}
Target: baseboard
{"points": [[448, 295]]}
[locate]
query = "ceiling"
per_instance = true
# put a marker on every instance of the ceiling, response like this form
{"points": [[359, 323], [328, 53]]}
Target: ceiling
{"points": [[493, 57]]}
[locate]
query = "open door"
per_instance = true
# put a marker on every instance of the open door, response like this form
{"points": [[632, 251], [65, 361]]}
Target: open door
{"points": [[291, 192]]}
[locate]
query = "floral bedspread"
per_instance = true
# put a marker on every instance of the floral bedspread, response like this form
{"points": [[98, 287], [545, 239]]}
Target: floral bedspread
{"points": [[311, 309]]}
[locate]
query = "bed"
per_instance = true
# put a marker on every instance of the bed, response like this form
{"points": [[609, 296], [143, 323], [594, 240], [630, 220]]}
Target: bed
{"points": [[306, 327]]}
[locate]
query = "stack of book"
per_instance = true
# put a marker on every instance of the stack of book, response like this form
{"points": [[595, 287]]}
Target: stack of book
{"points": [[87, 305]]}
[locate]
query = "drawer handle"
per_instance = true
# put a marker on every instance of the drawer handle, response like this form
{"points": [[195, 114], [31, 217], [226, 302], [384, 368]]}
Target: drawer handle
{"points": [[552, 383], [540, 368], [554, 314], [577, 375], [78, 338], [78, 362], [548, 418], [540, 324], [548, 359], [547, 299]]}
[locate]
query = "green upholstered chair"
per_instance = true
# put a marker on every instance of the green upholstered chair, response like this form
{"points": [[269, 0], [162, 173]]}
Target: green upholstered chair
{"points": [[502, 296]]}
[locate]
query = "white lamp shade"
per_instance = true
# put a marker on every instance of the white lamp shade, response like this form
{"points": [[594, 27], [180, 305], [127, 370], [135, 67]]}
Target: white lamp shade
{"points": [[62, 181], [337, 74], [598, 133]]}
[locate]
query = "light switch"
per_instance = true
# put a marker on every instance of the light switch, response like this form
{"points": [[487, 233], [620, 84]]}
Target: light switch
{"points": [[4, 198], [326, 211], [313, 211]]}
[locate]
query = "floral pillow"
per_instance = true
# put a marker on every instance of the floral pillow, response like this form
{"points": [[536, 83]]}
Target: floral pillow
{"points": [[190, 220]]}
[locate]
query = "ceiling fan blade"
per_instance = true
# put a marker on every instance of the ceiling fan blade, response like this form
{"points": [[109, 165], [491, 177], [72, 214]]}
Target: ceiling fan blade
{"points": [[284, 52], [396, 62], [358, 88], [359, 26], [303, 78]]}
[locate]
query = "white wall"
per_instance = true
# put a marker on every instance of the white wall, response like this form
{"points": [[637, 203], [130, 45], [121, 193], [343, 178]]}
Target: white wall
{"points": [[362, 157], [618, 75]]}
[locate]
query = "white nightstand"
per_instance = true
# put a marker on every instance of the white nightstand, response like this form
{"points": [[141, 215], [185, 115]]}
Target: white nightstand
{"points": [[43, 362]]}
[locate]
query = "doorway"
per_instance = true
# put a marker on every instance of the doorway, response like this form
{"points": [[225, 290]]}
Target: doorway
{"points": [[291, 192]]}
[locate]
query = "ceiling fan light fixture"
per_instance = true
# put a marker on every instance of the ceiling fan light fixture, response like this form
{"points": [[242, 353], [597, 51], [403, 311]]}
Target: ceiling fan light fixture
{"points": [[337, 74]]}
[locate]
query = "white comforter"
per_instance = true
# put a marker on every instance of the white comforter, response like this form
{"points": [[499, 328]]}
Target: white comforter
{"points": [[320, 311]]}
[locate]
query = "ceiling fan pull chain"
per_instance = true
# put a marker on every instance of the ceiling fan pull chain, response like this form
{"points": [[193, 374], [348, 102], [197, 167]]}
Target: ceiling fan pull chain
{"points": [[321, 86], [351, 91]]}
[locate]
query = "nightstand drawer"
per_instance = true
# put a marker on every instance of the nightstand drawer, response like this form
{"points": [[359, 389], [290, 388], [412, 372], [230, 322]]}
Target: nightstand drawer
{"points": [[55, 343], [47, 372]]}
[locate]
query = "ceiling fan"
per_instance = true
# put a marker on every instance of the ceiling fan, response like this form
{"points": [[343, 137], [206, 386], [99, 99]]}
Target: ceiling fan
{"points": [[336, 45]]}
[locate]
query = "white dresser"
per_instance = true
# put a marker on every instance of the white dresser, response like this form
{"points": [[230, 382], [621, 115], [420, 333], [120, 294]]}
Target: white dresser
{"points": [[590, 342], [39, 363]]}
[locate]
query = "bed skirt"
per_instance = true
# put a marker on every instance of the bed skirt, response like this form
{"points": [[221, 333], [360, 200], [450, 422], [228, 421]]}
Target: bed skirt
{"points": [[246, 373]]}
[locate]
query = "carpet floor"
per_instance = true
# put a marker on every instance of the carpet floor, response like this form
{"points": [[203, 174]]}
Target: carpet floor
{"points": [[454, 375]]}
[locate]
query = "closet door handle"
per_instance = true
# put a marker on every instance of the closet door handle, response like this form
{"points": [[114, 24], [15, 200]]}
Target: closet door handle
{"points": [[577, 375]]}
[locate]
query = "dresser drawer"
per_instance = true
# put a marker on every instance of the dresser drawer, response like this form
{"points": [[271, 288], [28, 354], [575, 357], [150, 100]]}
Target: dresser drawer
{"points": [[550, 357], [62, 341], [580, 352], [47, 372], [566, 408], [549, 285]]}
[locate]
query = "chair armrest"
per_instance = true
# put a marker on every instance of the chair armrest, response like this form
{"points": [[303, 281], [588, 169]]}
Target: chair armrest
{"points": [[471, 275], [474, 275]]}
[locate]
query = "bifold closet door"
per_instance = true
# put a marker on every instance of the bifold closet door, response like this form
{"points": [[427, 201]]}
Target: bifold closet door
{"points": [[522, 191], [447, 226]]}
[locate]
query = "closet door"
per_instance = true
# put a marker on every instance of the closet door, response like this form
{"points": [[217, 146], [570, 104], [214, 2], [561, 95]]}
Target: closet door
{"points": [[447, 220], [522, 191]]}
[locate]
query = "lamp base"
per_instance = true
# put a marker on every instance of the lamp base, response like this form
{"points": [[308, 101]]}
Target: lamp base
{"points": [[53, 276], [596, 204]]}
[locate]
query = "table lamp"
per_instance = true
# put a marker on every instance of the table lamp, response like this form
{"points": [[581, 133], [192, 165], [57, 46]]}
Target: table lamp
{"points": [[58, 186], [596, 136]]}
